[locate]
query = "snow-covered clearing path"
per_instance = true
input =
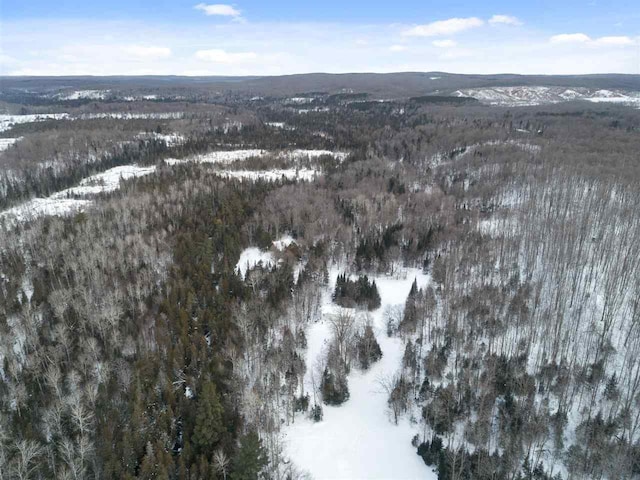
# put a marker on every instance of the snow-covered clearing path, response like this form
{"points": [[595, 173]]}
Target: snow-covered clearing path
{"points": [[358, 440], [63, 203]]}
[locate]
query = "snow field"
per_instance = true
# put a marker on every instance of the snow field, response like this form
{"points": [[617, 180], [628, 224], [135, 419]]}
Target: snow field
{"points": [[8, 121], [60, 204], [107, 181], [5, 143], [358, 439], [171, 139], [228, 156], [219, 157], [253, 256], [40, 207], [84, 94]]}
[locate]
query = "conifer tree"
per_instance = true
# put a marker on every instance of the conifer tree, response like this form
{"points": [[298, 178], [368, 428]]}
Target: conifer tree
{"points": [[250, 459], [209, 426]]}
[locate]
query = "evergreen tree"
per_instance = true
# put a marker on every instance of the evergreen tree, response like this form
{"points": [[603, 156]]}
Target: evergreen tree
{"points": [[152, 467], [349, 293], [250, 459], [209, 426], [335, 389]]}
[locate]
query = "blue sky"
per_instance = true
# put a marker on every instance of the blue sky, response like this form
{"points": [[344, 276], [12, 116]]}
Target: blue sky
{"points": [[267, 38]]}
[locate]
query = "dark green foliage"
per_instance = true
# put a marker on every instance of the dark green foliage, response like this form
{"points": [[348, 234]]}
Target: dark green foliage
{"points": [[372, 251], [208, 422], [250, 459], [334, 387], [430, 450], [411, 312], [360, 292]]}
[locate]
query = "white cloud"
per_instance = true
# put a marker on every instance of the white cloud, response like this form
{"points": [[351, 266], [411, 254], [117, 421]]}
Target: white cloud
{"points": [[217, 55], [147, 52], [504, 19], [614, 41], [444, 27], [581, 38], [398, 48], [570, 38], [218, 9], [444, 43]]}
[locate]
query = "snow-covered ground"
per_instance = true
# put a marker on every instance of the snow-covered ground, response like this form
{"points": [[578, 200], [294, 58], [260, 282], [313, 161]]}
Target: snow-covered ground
{"points": [[107, 181], [442, 158], [60, 203], [314, 109], [229, 156], [299, 100], [525, 146], [84, 94], [251, 257], [219, 157], [626, 100], [40, 207], [358, 439], [7, 121], [540, 95], [171, 139], [303, 174], [131, 115], [7, 142], [313, 154], [283, 242]]}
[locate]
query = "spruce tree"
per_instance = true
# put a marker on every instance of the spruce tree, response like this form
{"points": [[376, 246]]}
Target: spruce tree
{"points": [[208, 423], [250, 459]]}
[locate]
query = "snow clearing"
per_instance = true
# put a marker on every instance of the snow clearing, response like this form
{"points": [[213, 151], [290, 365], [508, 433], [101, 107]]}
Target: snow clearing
{"points": [[358, 439]]}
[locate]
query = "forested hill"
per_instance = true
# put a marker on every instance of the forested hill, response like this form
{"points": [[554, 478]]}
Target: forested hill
{"points": [[401, 84], [201, 283]]}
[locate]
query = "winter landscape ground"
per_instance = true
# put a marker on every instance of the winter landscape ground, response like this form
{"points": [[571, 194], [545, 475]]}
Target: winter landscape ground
{"points": [[320, 284], [346, 438]]}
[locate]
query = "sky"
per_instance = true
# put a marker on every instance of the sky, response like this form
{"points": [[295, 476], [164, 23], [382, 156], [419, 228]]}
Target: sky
{"points": [[256, 37]]}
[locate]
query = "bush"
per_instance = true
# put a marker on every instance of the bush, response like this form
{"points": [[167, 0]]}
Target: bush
{"points": [[302, 403], [316, 413]]}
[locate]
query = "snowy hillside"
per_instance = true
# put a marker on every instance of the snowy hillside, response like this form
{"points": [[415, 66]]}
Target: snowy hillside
{"points": [[526, 95]]}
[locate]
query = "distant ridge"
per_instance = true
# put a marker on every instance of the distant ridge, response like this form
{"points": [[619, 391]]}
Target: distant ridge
{"points": [[402, 84]]}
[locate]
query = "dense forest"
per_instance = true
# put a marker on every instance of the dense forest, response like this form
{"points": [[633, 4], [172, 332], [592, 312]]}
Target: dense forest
{"points": [[187, 323]]}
